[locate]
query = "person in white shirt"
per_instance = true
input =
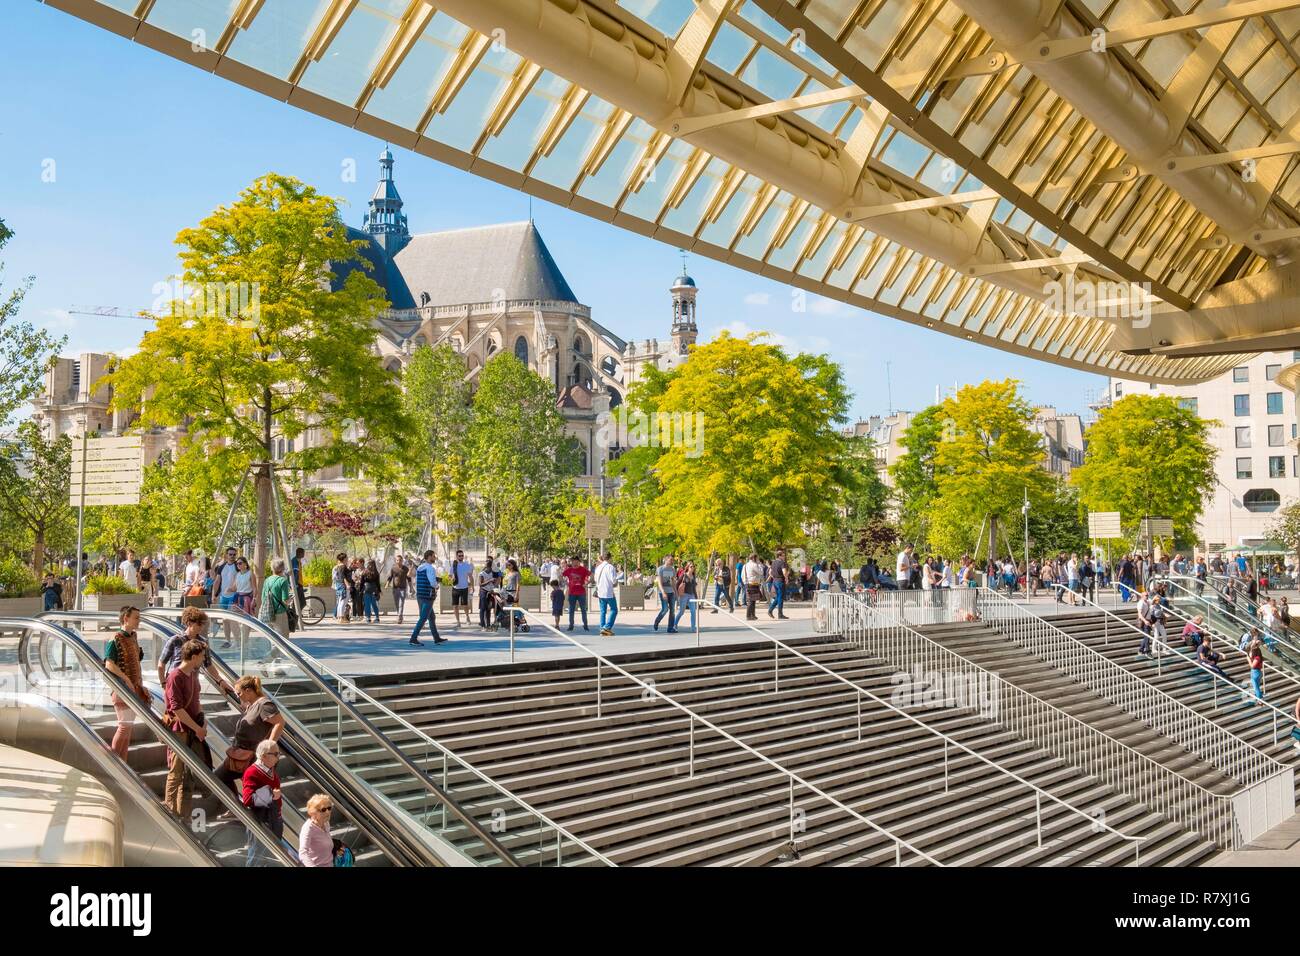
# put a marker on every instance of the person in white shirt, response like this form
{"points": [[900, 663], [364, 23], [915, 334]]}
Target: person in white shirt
{"points": [[903, 568], [462, 575], [193, 570], [606, 576], [753, 574], [128, 571]]}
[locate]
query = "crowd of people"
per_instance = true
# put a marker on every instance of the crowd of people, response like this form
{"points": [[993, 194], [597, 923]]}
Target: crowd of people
{"points": [[249, 764]]}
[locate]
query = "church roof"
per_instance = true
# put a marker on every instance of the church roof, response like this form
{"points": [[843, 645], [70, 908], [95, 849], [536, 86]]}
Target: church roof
{"points": [[382, 270], [469, 265]]}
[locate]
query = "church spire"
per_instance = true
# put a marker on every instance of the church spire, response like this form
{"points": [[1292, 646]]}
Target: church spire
{"points": [[385, 220]]}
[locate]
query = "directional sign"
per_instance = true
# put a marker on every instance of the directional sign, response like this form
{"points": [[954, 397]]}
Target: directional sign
{"points": [[1156, 528], [1104, 524], [111, 469], [597, 524]]}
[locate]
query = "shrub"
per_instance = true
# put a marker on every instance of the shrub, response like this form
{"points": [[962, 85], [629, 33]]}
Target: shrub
{"points": [[529, 576], [108, 584], [17, 579], [445, 580], [317, 571]]}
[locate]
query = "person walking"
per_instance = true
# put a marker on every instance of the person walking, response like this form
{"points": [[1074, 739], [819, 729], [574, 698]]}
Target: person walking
{"points": [[399, 576], [353, 574], [426, 591], [778, 576], [295, 576], [339, 581], [185, 706], [666, 586], [722, 584], [276, 601], [753, 576], [1255, 655], [576, 575], [606, 576], [687, 595], [123, 658], [370, 591], [462, 578], [194, 621]]}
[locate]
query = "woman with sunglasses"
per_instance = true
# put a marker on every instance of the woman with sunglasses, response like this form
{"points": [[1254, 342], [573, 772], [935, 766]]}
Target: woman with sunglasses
{"points": [[244, 586], [315, 845]]}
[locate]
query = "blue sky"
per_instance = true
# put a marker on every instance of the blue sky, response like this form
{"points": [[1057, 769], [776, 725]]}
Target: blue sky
{"points": [[139, 146]]}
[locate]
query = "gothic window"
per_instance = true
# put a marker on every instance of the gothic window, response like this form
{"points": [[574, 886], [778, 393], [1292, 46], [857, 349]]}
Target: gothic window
{"points": [[521, 349], [581, 345]]}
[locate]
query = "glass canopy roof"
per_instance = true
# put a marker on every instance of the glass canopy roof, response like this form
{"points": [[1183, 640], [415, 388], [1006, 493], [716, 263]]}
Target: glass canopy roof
{"points": [[582, 112]]}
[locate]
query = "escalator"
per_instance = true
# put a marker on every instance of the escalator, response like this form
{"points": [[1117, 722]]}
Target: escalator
{"points": [[66, 715], [1230, 615]]}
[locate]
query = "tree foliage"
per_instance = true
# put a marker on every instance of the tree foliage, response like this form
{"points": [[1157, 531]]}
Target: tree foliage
{"points": [[34, 477], [915, 483], [986, 462], [439, 405], [1148, 456], [761, 473], [26, 352]]}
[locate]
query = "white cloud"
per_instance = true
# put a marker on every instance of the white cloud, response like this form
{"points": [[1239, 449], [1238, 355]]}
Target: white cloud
{"points": [[758, 298], [822, 306]]}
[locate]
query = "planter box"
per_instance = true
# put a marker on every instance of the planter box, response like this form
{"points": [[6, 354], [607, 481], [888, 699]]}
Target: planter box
{"points": [[444, 598], [111, 602], [21, 606], [631, 597], [530, 597]]}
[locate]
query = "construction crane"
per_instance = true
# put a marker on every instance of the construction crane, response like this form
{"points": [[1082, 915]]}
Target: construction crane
{"points": [[112, 312]]}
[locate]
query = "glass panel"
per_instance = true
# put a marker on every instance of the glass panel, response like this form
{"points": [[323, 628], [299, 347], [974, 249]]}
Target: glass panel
{"points": [[278, 36], [1243, 468], [1274, 402], [1241, 404]]}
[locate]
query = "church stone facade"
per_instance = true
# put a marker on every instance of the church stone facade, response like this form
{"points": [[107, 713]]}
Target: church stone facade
{"points": [[481, 290]]}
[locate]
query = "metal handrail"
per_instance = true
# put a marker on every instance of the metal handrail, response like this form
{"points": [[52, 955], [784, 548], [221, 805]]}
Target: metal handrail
{"points": [[1232, 611], [313, 750], [1162, 711], [1271, 636], [793, 777], [1191, 805], [1183, 659], [448, 753], [289, 650], [1039, 791], [164, 735]]}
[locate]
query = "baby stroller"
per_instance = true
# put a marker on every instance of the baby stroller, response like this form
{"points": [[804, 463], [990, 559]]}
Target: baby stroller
{"points": [[501, 617]]}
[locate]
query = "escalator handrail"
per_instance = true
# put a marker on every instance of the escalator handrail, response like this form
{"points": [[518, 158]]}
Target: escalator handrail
{"points": [[126, 780], [303, 748], [161, 732], [311, 673], [307, 756]]}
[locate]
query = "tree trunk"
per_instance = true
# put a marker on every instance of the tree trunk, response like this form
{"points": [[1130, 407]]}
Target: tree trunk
{"points": [[38, 552], [262, 489]]}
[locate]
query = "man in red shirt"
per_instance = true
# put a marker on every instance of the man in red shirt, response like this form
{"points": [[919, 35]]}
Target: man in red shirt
{"points": [[576, 574]]}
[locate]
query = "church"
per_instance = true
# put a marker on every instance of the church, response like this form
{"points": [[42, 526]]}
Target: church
{"points": [[480, 289]]}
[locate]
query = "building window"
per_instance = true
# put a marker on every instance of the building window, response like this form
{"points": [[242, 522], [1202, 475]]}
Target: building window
{"points": [[1270, 372], [1190, 404], [1153, 386], [1261, 500], [1243, 468], [1295, 356], [1293, 429], [1243, 436], [1273, 403], [1119, 390], [1240, 405], [1241, 374], [1276, 466], [1295, 466], [521, 349], [1275, 438]]}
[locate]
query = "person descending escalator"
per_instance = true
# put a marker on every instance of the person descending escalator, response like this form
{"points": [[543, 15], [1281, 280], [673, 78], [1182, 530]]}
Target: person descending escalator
{"points": [[261, 794], [123, 657], [186, 718]]}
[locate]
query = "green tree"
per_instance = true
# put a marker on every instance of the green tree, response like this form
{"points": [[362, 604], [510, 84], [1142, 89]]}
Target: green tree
{"points": [[915, 482], [273, 344], [987, 461], [756, 476], [520, 461], [1055, 522], [34, 478], [1285, 528], [1148, 456], [439, 404], [26, 352]]}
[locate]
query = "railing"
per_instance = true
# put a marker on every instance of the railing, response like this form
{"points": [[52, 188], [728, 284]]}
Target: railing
{"points": [[1160, 711], [834, 603], [693, 718], [342, 695], [374, 814], [144, 715], [1230, 821]]}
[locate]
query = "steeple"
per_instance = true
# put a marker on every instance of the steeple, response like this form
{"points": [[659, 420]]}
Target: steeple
{"points": [[684, 329], [385, 220]]}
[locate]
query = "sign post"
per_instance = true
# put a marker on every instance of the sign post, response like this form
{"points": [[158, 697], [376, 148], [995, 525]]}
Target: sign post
{"points": [[109, 472]]}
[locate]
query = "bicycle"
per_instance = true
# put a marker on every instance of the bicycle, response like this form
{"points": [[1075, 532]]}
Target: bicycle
{"points": [[313, 610]]}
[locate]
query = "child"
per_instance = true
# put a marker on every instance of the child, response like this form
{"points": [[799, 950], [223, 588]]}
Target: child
{"points": [[557, 600]]}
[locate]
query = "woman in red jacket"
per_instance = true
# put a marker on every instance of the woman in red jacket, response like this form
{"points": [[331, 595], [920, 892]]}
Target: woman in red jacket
{"points": [[262, 797]]}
